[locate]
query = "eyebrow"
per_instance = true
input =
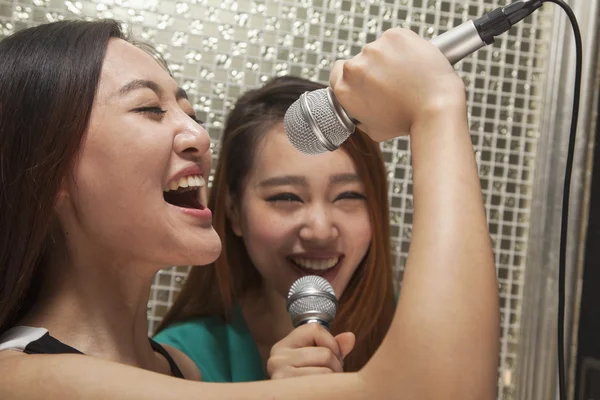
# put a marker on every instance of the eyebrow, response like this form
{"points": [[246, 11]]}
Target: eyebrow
{"points": [[296, 180], [344, 178], [283, 180], [137, 84]]}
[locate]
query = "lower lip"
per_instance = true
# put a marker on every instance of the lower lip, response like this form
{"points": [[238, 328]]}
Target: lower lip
{"points": [[328, 274], [203, 214]]}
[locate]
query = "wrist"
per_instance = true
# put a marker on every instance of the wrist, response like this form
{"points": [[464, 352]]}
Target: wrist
{"points": [[444, 117], [449, 102], [440, 129]]}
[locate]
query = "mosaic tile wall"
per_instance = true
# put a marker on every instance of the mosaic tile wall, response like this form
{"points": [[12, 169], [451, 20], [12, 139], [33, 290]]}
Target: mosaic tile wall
{"points": [[219, 48]]}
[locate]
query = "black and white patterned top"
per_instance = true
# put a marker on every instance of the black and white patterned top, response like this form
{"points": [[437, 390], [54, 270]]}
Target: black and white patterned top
{"points": [[31, 340]]}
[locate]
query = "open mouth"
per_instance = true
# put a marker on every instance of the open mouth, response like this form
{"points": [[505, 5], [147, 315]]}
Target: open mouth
{"points": [[315, 266], [185, 192]]}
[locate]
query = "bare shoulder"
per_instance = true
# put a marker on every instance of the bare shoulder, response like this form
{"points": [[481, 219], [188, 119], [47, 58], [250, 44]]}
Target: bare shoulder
{"points": [[186, 365]]}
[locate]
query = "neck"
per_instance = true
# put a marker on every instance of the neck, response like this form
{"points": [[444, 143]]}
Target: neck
{"points": [[98, 306], [267, 318]]}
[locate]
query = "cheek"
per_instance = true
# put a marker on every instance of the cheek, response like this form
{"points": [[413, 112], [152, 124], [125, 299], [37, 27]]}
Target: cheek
{"points": [[264, 229], [116, 192], [123, 165], [268, 235], [107, 190], [120, 153], [358, 232]]}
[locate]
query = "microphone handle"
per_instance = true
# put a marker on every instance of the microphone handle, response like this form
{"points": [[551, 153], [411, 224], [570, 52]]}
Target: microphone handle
{"points": [[459, 42], [313, 321]]}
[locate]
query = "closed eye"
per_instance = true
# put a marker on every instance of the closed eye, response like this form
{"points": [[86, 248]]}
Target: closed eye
{"points": [[153, 112], [284, 197]]}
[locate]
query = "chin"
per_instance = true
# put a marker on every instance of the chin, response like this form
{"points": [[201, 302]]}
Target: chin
{"points": [[198, 259], [207, 251], [200, 251]]}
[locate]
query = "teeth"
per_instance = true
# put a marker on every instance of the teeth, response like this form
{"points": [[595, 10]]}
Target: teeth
{"points": [[318, 265], [192, 181]]}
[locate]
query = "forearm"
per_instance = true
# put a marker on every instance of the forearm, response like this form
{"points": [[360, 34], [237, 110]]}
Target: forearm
{"points": [[67, 377], [445, 335]]}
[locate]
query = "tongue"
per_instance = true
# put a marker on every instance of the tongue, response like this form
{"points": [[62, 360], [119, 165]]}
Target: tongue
{"points": [[187, 199]]}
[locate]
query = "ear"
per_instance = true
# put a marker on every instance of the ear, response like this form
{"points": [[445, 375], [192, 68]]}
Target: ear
{"points": [[233, 214], [63, 209], [63, 193]]}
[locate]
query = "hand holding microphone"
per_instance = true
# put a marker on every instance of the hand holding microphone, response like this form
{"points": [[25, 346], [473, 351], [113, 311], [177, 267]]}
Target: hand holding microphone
{"points": [[394, 81], [310, 348]]}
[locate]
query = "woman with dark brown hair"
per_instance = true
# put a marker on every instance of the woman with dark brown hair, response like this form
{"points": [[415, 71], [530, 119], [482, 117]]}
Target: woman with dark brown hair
{"points": [[103, 174], [331, 220]]}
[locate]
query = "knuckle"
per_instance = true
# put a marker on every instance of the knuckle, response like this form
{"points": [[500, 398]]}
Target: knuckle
{"points": [[392, 33], [325, 355], [275, 361], [396, 34], [274, 351], [369, 48], [352, 69], [370, 52], [312, 329], [278, 348], [272, 366]]}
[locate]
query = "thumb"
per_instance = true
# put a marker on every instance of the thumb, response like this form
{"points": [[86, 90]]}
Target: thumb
{"points": [[346, 342]]}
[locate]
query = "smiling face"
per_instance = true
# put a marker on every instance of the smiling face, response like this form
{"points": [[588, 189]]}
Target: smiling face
{"points": [[302, 215], [138, 190]]}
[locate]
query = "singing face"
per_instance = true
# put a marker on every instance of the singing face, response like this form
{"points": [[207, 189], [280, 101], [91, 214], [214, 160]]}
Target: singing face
{"points": [[138, 190], [302, 215]]}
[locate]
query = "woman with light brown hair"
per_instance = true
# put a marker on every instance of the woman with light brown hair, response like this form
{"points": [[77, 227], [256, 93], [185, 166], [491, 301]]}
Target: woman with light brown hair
{"points": [[331, 220]]}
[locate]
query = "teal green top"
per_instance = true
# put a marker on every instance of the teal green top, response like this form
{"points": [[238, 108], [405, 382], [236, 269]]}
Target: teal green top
{"points": [[224, 352]]}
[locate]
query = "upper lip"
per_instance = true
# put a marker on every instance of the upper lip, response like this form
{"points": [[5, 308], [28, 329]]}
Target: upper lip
{"points": [[191, 170]]}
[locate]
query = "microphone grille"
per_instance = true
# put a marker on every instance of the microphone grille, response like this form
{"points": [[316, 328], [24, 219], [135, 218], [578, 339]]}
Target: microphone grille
{"points": [[311, 294], [299, 130]]}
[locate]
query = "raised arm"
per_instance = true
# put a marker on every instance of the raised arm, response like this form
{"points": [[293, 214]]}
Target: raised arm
{"points": [[444, 340]]}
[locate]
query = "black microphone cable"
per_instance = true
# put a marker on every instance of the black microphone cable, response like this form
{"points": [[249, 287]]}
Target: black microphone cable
{"points": [[565, 202]]}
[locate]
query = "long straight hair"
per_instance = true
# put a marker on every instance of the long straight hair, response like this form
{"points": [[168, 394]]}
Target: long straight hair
{"points": [[367, 305], [48, 80]]}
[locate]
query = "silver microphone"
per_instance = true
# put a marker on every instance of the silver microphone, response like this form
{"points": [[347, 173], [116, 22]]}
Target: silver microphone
{"points": [[311, 299], [316, 122]]}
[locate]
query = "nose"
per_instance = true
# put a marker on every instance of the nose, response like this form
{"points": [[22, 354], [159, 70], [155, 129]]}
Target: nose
{"points": [[320, 228], [191, 141]]}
